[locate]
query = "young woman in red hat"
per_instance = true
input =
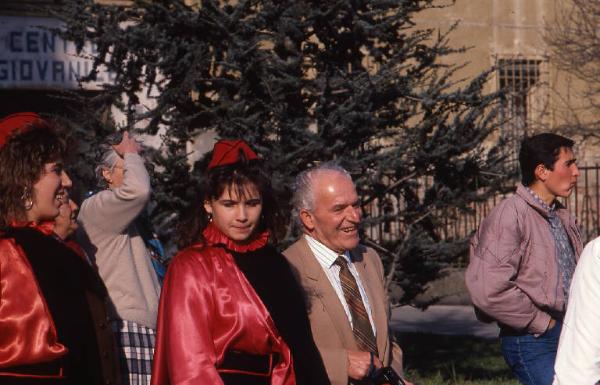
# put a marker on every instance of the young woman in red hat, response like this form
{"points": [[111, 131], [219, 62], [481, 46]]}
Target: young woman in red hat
{"points": [[231, 311], [52, 313]]}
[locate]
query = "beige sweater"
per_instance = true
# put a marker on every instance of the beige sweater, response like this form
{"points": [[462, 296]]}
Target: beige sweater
{"points": [[109, 236]]}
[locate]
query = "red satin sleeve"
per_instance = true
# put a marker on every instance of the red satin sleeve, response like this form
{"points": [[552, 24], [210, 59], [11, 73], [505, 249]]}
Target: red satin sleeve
{"points": [[185, 352], [27, 332]]}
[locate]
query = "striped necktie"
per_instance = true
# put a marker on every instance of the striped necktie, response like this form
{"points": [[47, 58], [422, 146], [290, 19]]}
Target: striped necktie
{"points": [[363, 332]]}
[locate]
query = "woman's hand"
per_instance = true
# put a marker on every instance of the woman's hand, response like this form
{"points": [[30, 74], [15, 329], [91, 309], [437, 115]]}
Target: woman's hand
{"points": [[127, 145]]}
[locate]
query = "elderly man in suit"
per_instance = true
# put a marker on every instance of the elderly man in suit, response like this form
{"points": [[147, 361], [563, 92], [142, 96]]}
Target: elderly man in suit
{"points": [[343, 280]]}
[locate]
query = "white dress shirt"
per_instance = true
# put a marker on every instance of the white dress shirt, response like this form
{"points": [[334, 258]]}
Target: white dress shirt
{"points": [[326, 258], [578, 357]]}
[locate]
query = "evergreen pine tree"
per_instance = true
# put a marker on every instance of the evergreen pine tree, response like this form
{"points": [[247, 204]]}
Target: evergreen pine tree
{"points": [[306, 81]]}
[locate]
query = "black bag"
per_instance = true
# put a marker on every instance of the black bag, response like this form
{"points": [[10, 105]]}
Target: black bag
{"points": [[387, 375]]}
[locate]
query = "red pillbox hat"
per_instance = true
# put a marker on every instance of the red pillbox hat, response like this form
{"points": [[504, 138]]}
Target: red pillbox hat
{"points": [[227, 152], [16, 123]]}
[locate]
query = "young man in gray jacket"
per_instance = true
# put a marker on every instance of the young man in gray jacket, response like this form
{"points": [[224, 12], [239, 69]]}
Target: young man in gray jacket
{"points": [[523, 256], [110, 237]]}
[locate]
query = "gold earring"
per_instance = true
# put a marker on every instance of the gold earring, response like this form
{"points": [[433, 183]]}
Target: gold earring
{"points": [[26, 198]]}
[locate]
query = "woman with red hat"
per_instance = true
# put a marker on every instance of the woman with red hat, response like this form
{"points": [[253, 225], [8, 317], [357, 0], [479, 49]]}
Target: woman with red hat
{"points": [[231, 311], [52, 313]]}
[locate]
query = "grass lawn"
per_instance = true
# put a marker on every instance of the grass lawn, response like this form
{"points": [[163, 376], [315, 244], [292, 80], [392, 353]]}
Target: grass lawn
{"points": [[453, 360]]}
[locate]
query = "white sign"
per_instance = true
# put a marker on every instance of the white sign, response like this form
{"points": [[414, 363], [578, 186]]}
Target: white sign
{"points": [[31, 56]]}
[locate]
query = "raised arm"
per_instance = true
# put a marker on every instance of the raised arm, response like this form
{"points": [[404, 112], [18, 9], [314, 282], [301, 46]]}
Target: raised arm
{"points": [[113, 209]]}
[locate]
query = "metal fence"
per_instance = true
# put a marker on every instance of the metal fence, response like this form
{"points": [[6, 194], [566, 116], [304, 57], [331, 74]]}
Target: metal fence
{"points": [[584, 204]]}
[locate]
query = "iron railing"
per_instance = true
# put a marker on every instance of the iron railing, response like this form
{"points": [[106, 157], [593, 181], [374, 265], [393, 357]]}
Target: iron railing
{"points": [[584, 204]]}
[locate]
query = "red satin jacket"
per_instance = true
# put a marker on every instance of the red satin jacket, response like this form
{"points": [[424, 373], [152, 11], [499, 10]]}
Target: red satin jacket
{"points": [[27, 332], [207, 307]]}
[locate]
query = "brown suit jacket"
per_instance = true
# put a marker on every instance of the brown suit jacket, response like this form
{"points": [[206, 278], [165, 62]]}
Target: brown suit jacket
{"points": [[330, 326]]}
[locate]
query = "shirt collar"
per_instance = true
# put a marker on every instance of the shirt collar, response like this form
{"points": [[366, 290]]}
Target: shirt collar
{"points": [[326, 254], [539, 201]]}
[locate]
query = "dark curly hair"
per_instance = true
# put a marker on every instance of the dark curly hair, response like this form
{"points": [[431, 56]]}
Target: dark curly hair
{"points": [[539, 149], [22, 160], [236, 177]]}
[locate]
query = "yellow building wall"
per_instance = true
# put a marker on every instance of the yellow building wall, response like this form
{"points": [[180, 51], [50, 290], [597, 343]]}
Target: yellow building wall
{"points": [[496, 29]]}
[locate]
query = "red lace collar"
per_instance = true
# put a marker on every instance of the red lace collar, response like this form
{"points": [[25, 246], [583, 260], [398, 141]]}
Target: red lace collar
{"points": [[45, 227], [214, 236]]}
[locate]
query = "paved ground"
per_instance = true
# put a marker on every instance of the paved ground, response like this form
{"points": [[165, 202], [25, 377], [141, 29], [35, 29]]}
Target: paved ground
{"points": [[441, 319]]}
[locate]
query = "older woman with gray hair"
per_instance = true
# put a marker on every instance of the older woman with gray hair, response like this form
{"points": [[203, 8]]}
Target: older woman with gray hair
{"points": [[109, 233]]}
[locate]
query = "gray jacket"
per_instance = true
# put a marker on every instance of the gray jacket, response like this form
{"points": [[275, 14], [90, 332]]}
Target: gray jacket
{"points": [[109, 236], [513, 275]]}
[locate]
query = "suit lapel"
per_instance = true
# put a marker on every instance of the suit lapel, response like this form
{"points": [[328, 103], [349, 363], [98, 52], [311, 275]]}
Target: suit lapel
{"points": [[319, 286], [369, 280]]}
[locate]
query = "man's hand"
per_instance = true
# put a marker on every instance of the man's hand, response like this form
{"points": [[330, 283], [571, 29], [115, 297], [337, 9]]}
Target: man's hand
{"points": [[359, 362], [127, 145]]}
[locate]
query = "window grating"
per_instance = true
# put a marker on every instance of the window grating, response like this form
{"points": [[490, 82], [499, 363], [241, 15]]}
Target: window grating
{"points": [[518, 77]]}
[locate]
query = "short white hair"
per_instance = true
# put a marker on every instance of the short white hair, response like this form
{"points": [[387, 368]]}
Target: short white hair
{"points": [[304, 197], [107, 160]]}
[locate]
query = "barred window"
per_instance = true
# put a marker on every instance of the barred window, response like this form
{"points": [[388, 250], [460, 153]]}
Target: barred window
{"points": [[520, 78]]}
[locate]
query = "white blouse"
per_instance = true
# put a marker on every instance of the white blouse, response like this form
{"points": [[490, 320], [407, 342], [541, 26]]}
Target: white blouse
{"points": [[578, 357]]}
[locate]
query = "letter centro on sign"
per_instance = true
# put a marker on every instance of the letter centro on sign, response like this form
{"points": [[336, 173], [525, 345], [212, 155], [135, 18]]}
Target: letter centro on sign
{"points": [[45, 71], [35, 56]]}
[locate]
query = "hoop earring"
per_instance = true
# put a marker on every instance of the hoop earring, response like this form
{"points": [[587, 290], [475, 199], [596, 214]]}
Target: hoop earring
{"points": [[26, 198], [209, 217]]}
